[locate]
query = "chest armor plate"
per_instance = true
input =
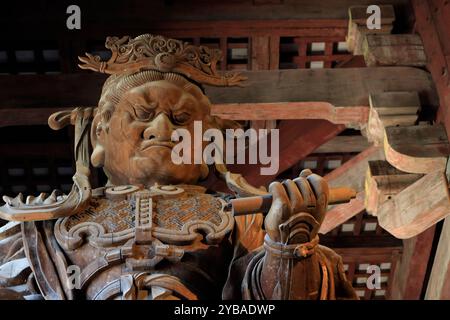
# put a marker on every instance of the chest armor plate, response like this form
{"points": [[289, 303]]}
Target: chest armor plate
{"points": [[127, 232], [173, 215]]}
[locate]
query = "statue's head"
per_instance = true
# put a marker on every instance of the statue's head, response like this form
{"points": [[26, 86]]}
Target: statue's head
{"points": [[153, 90]]}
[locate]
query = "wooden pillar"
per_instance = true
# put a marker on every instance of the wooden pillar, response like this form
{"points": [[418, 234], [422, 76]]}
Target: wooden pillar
{"points": [[439, 282], [409, 277]]}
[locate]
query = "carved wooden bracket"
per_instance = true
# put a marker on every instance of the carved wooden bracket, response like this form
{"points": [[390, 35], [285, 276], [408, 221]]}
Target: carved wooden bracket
{"points": [[417, 207], [387, 109], [408, 192], [357, 26]]}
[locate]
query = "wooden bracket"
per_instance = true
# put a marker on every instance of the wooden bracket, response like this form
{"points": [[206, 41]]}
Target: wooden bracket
{"points": [[357, 26], [393, 50], [387, 109]]}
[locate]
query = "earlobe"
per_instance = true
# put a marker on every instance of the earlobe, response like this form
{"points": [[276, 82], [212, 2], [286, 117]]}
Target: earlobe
{"points": [[204, 171], [98, 156]]}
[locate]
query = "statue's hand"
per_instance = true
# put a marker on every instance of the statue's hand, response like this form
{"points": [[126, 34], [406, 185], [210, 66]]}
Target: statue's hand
{"points": [[308, 193]]}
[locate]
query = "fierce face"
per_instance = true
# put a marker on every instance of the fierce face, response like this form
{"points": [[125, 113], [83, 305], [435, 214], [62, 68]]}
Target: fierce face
{"points": [[135, 147]]}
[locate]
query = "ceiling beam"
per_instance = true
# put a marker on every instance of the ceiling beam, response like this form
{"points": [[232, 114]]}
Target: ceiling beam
{"points": [[350, 174], [351, 116], [297, 139], [344, 91], [344, 144]]}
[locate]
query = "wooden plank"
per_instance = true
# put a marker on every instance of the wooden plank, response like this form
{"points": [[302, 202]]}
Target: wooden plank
{"points": [[393, 50], [408, 279], [417, 149], [439, 282], [417, 207], [344, 144]]}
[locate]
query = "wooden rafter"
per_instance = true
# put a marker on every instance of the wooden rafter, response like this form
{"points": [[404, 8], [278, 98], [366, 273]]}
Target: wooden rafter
{"points": [[351, 173], [298, 138]]}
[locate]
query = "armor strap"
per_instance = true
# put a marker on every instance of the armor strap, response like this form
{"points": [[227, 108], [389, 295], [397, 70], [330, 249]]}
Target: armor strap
{"points": [[291, 251]]}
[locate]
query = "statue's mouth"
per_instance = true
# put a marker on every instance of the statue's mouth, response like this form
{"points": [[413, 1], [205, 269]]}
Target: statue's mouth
{"points": [[154, 143]]}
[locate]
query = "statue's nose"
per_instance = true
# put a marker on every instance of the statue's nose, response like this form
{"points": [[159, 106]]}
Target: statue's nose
{"points": [[160, 128]]}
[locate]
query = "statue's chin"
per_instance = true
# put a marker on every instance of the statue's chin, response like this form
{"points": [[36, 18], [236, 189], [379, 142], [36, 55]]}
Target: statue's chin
{"points": [[159, 168]]}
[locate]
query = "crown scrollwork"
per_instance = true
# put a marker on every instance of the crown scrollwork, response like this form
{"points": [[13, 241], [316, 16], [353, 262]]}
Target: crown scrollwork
{"points": [[130, 55]]}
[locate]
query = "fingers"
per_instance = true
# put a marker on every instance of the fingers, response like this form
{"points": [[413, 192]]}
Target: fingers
{"points": [[305, 173], [321, 192], [280, 199], [309, 199], [279, 212], [295, 196]]}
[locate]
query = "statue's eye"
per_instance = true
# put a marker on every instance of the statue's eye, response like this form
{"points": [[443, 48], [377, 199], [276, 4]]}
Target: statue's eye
{"points": [[181, 118], [143, 114]]}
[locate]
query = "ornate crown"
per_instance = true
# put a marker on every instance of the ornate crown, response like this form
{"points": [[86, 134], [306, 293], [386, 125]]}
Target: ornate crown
{"points": [[167, 55]]}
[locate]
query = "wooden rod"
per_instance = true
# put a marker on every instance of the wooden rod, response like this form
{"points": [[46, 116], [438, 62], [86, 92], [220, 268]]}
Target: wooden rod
{"points": [[261, 204]]}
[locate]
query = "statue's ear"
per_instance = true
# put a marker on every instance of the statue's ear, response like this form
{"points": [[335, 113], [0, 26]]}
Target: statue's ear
{"points": [[97, 136]]}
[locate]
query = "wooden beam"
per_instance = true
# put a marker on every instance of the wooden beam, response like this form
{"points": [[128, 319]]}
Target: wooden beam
{"points": [[394, 50], [439, 282], [417, 149], [431, 22], [339, 87], [344, 144], [357, 26], [350, 174], [408, 279], [297, 139], [417, 207], [28, 116], [340, 213], [136, 17], [383, 182], [352, 116]]}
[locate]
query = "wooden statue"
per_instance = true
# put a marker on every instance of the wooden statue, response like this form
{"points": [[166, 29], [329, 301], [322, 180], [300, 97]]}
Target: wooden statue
{"points": [[153, 232]]}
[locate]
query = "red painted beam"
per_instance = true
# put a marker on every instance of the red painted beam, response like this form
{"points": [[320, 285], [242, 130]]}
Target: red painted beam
{"points": [[297, 139]]}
